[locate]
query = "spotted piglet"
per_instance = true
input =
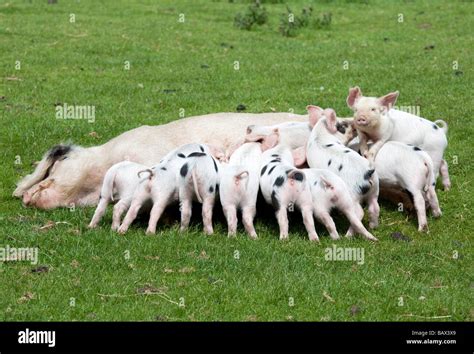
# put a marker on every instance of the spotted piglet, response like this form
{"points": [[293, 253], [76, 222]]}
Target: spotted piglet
{"points": [[119, 185], [326, 150], [198, 181], [330, 192], [284, 186]]}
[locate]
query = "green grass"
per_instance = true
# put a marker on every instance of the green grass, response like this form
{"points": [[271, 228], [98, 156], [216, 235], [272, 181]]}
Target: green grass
{"points": [[83, 64]]}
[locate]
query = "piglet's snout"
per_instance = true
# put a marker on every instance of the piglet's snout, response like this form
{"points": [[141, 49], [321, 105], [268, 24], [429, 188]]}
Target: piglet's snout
{"points": [[362, 120]]}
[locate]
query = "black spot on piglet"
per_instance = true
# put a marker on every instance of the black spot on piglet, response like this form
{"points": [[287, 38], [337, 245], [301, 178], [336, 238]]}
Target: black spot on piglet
{"points": [[197, 154], [329, 162], [211, 189], [263, 170], [416, 148], [340, 167], [184, 170], [215, 165], [275, 202], [368, 174], [364, 188], [435, 127], [271, 170], [279, 181], [297, 176], [181, 155]]}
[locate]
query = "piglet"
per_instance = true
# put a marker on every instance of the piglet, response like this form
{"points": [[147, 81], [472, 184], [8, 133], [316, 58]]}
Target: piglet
{"points": [[198, 181], [329, 191], [240, 179], [119, 184], [408, 167], [283, 186], [326, 150]]}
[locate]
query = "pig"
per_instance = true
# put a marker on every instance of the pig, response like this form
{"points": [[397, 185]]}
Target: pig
{"points": [[240, 180], [119, 184], [376, 120], [283, 186], [198, 181], [72, 175], [328, 192], [161, 186], [410, 168], [407, 168], [326, 150]]}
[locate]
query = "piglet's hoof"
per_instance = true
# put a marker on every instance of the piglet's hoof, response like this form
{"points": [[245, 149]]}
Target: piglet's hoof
{"points": [[122, 230], [423, 228]]}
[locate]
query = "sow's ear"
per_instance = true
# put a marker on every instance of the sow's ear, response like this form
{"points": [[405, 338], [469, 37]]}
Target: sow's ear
{"points": [[314, 113], [388, 101], [299, 156], [354, 94]]}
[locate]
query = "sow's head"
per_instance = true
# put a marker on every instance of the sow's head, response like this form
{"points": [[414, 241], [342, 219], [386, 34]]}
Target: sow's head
{"points": [[52, 183]]}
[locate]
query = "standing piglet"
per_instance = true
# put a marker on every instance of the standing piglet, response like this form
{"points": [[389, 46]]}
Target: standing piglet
{"points": [[376, 121], [198, 181], [408, 167], [119, 184], [329, 191], [240, 180], [325, 150], [284, 186]]}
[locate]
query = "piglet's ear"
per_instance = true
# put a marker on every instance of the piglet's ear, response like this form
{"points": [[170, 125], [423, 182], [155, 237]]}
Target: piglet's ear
{"points": [[331, 120], [389, 100], [270, 141], [354, 94], [299, 156], [315, 114]]}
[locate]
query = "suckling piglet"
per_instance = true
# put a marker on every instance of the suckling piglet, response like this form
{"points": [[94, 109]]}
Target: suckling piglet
{"points": [[284, 187], [120, 182]]}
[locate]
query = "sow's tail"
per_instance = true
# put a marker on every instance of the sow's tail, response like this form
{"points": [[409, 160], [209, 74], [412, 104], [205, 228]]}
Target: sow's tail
{"points": [[442, 124], [56, 153]]}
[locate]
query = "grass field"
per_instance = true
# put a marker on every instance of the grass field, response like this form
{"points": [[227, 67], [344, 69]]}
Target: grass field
{"points": [[98, 275]]}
